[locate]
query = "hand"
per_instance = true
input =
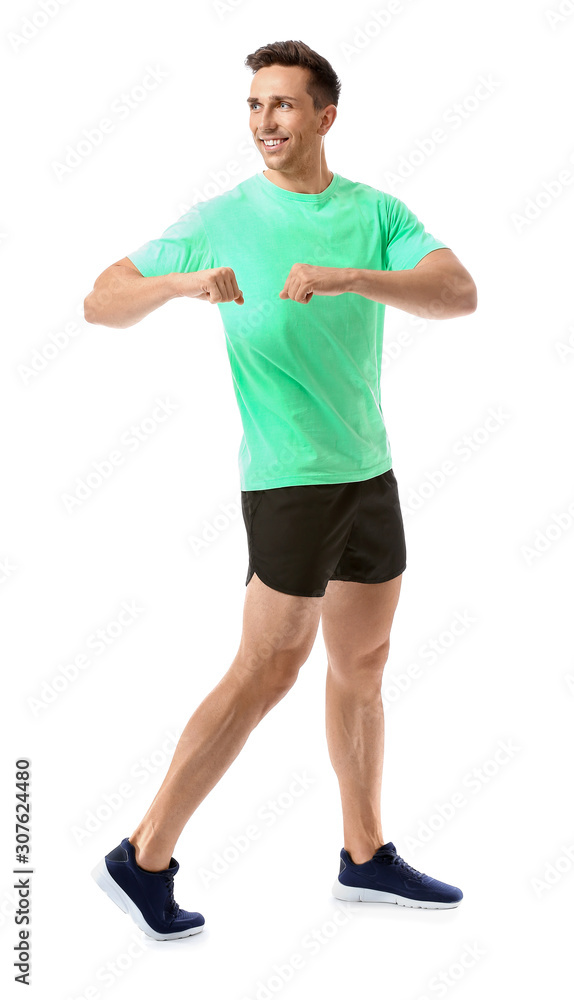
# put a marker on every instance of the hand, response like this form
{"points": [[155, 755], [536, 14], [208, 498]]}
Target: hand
{"points": [[306, 280], [215, 285]]}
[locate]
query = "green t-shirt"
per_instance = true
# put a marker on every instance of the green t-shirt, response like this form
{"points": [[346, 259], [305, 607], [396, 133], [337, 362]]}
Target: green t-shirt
{"points": [[306, 376]]}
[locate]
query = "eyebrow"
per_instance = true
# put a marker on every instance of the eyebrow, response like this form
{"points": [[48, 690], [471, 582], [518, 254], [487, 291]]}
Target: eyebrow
{"points": [[273, 97]]}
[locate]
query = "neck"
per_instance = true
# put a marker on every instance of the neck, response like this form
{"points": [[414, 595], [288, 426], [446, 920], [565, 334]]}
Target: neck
{"points": [[312, 181]]}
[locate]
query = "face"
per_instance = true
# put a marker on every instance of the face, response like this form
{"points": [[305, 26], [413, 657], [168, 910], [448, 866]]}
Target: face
{"points": [[281, 108]]}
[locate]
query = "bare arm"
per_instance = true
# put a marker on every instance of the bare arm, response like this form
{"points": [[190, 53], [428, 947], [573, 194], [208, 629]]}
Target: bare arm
{"points": [[438, 287], [122, 296]]}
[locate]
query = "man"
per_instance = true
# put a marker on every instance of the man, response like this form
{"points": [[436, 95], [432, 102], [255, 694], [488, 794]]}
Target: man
{"points": [[301, 262]]}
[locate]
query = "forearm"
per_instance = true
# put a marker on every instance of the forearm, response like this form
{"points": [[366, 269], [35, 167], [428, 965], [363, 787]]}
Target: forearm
{"points": [[424, 292], [122, 297]]}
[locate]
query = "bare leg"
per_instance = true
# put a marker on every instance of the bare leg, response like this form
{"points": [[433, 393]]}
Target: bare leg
{"points": [[356, 623], [278, 634]]}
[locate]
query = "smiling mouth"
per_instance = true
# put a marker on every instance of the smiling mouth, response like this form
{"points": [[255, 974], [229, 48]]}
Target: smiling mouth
{"points": [[274, 145]]}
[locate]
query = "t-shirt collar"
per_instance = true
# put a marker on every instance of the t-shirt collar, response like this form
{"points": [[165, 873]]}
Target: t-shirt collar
{"points": [[282, 193]]}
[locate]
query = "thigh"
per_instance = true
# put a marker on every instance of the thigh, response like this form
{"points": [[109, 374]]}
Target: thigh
{"points": [[356, 620], [296, 534], [278, 629], [375, 550]]}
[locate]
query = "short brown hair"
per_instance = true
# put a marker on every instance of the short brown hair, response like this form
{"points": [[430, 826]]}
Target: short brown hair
{"points": [[323, 86]]}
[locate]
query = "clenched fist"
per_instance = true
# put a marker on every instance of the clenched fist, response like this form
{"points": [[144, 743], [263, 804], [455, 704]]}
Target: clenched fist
{"points": [[216, 284]]}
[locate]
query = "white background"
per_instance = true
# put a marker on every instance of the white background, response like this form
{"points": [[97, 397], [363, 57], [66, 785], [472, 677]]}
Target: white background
{"points": [[484, 541]]}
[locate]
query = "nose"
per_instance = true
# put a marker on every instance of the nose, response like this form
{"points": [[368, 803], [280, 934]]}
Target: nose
{"points": [[267, 121]]}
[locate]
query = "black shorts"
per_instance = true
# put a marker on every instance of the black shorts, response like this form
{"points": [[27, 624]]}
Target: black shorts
{"points": [[300, 537]]}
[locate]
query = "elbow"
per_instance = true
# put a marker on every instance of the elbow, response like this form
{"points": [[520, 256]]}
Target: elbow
{"points": [[96, 313], [457, 298], [88, 310], [465, 299], [94, 306], [471, 299]]}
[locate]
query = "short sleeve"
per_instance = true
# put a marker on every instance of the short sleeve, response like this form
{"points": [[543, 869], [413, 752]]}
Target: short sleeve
{"points": [[407, 240], [184, 246]]}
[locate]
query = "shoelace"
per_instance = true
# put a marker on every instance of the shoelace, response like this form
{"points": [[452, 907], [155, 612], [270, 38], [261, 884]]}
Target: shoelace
{"points": [[170, 905], [395, 859]]}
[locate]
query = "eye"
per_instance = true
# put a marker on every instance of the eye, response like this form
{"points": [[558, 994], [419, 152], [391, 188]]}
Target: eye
{"points": [[256, 104]]}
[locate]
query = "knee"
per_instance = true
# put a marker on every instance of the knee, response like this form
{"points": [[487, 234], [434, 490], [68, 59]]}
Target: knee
{"points": [[366, 664], [270, 672]]}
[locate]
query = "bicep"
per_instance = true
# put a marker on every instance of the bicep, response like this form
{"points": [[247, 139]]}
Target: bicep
{"points": [[126, 262], [439, 257], [446, 265], [122, 269], [444, 260]]}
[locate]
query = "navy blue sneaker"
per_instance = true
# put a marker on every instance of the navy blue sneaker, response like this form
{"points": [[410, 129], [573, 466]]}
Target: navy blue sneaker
{"points": [[386, 878], [146, 896]]}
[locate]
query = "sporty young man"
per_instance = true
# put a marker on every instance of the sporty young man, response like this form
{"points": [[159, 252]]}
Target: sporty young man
{"points": [[301, 262]]}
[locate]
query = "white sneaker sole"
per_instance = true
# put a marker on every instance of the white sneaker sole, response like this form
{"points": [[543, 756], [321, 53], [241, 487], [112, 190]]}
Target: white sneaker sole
{"points": [[105, 881], [355, 894]]}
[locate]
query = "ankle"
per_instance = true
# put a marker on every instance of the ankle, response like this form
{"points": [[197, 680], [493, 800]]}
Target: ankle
{"points": [[149, 856], [361, 851]]}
